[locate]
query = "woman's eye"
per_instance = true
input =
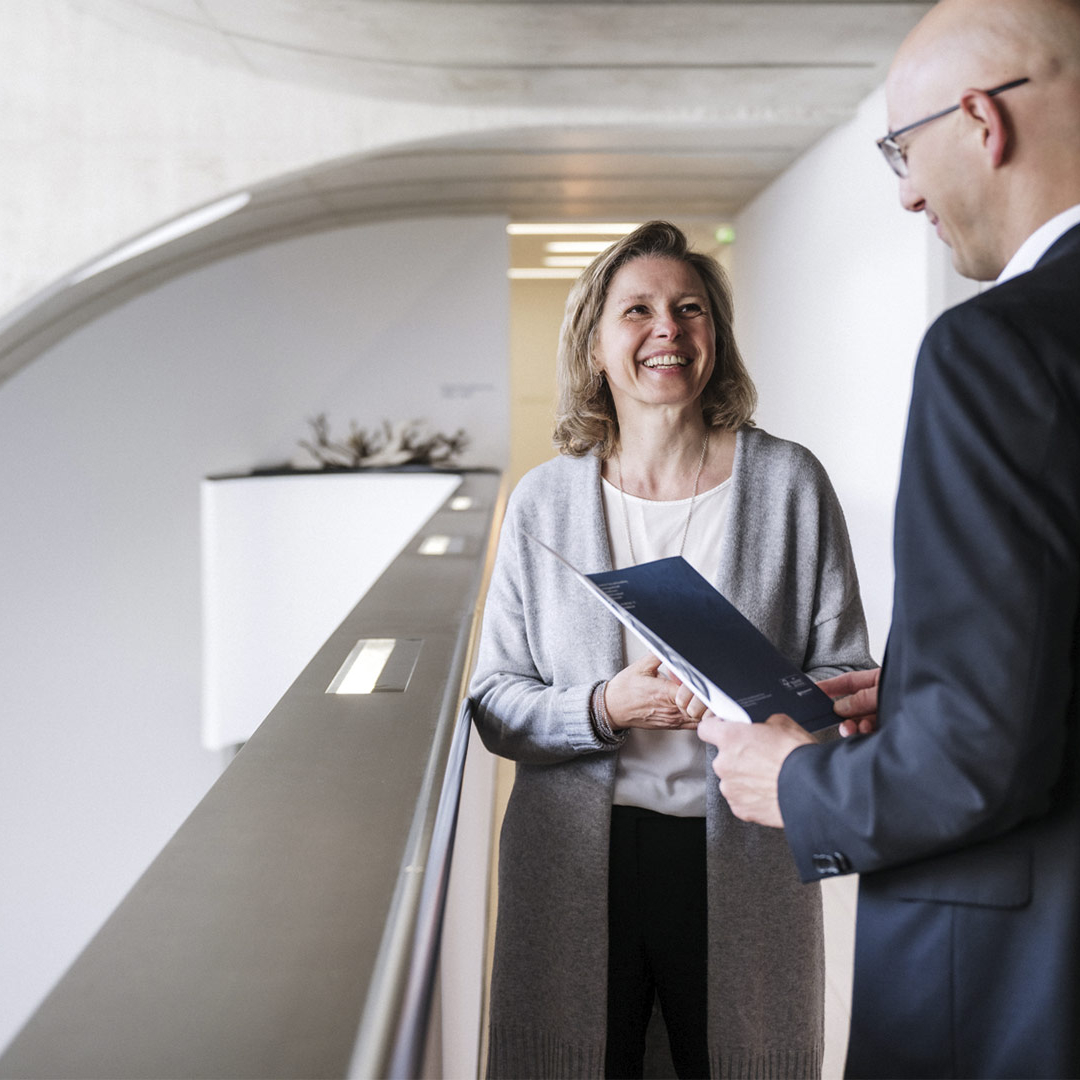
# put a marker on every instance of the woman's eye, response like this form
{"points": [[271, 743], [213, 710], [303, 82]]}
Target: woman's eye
{"points": [[691, 309]]}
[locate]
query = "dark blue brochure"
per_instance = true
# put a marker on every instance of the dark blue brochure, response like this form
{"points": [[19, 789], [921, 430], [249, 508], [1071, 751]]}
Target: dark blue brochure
{"points": [[706, 642]]}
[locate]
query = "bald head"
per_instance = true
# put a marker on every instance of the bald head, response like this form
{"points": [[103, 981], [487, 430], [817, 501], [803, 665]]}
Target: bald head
{"points": [[989, 172], [980, 43]]}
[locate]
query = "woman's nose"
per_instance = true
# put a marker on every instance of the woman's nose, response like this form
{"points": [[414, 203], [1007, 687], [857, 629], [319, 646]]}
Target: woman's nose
{"points": [[666, 325]]}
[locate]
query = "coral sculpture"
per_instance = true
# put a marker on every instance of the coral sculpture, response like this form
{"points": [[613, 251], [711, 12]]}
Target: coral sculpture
{"points": [[405, 442]]}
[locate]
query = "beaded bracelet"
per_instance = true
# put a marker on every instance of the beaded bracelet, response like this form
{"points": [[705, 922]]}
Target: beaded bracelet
{"points": [[599, 717]]}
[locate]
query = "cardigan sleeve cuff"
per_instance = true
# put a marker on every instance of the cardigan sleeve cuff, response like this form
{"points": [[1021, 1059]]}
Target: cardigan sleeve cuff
{"points": [[577, 720]]}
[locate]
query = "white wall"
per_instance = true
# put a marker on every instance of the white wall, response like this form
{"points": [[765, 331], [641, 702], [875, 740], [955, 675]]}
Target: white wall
{"points": [[835, 285], [103, 443]]}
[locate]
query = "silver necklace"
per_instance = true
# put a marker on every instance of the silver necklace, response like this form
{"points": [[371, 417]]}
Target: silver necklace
{"points": [[690, 509]]}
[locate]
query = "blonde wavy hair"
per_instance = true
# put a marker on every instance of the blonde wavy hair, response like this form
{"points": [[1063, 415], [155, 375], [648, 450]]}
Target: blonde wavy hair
{"points": [[585, 418]]}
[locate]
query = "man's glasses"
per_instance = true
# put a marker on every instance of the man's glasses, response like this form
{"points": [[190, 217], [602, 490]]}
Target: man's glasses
{"points": [[895, 154]]}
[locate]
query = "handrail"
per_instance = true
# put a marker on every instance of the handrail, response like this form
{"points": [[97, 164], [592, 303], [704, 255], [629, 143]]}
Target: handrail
{"points": [[394, 1049], [406, 1038], [394, 1023], [303, 897]]}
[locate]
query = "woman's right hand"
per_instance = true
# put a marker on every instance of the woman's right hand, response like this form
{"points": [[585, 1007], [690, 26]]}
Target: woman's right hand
{"points": [[640, 697]]}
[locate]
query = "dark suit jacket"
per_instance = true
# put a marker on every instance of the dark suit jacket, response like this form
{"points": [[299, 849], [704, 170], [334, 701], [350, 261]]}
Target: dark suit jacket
{"points": [[962, 812]]}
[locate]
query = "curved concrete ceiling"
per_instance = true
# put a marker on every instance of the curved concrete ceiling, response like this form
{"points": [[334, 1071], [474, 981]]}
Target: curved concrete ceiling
{"points": [[730, 94], [787, 54]]}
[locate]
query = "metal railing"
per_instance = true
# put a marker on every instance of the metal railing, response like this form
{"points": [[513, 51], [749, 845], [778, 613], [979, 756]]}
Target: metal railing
{"points": [[394, 1028]]}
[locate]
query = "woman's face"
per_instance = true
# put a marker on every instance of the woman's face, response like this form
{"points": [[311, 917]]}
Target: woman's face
{"points": [[655, 339]]}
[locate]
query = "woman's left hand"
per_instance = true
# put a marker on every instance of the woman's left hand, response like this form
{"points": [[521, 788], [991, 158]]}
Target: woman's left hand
{"points": [[689, 703], [640, 697]]}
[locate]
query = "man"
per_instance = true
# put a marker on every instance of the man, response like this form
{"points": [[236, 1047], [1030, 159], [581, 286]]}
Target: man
{"points": [[962, 811]]}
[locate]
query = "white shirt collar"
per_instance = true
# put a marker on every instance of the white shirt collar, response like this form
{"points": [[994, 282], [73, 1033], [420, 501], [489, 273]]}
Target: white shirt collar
{"points": [[1039, 243]]}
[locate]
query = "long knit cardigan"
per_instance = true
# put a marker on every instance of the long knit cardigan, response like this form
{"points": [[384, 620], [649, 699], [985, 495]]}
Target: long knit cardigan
{"points": [[785, 563]]}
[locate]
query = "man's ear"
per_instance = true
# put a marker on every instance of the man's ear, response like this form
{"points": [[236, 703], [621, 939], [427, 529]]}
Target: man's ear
{"points": [[983, 111]]}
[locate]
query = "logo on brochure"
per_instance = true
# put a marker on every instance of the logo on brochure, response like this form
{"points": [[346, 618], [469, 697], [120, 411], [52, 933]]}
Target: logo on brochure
{"points": [[799, 683]]}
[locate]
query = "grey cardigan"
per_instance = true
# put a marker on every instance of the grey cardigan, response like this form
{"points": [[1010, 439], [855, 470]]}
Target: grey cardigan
{"points": [[785, 562]]}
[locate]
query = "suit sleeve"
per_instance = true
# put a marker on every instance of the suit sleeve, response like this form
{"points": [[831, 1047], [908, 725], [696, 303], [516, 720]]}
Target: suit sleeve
{"points": [[979, 667]]}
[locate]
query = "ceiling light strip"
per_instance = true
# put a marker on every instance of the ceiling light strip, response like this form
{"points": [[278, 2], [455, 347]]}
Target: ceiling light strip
{"points": [[164, 234], [537, 273], [580, 261], [577, 247], [570, 228]]}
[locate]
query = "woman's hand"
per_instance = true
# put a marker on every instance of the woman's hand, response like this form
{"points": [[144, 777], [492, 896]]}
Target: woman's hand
{"points": [[855, 696], [688, 702], [640, 697]]}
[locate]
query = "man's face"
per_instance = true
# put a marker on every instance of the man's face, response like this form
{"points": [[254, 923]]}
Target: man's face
{"points": [[945, 173]]}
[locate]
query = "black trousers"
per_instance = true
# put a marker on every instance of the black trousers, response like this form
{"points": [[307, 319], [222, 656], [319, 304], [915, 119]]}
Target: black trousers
{"points": [[657, 940]]}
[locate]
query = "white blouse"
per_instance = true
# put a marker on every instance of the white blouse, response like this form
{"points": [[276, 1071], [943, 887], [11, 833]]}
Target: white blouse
{"points": [[663, 770]]}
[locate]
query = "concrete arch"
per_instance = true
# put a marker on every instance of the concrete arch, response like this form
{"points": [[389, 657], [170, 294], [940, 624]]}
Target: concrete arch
{"points": [[529, 173]]}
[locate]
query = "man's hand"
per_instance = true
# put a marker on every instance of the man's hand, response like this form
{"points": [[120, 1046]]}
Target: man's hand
{"points": [[855, 695], [748, 761]]}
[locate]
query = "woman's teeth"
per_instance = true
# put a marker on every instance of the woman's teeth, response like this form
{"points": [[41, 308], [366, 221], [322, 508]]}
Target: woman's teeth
{"points": [[666, 361]]}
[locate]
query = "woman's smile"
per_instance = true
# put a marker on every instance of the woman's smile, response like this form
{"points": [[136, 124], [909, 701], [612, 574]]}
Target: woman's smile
{"points": [[666, 361]]}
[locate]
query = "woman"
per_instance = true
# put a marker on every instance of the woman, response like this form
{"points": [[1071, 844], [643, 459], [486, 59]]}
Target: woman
{"points": [[622, 873]]}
